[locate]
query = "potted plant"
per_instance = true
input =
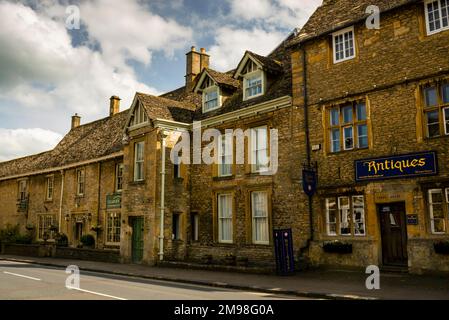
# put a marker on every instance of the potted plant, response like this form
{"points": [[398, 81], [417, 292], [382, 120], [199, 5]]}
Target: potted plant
{"points": [[88, 241], [441, 247], [337, 247]]}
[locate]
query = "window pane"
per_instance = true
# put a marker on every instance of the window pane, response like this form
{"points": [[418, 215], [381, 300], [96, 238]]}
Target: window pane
{"points": [[335, 139], [434, 16], [347, 114], [446, 120], [225, 218], [260, 217], [363, 135], [331, 216], [431, 96], [361, 112], [445, 12], [335, 117], [359, 215], [445, 91], [433, 124], [348, 138], [436, 196]]}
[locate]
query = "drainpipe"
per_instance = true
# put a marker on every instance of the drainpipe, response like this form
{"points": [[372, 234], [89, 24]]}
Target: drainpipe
{"points": [[161, 231], [60, 201], [98, 202]]}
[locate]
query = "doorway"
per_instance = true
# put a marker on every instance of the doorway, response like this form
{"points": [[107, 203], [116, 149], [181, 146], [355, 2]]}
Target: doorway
{"points": [[394, 234], [137, 239], [78, 232]]}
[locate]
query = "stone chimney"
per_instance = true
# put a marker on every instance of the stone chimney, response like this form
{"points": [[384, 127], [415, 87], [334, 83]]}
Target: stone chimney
{"points": [[76, 121], [114, 107], [196, 62]]}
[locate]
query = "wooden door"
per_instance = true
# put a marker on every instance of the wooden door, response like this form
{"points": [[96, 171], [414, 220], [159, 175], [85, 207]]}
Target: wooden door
{"points": [[137, 239], [394, 234]]}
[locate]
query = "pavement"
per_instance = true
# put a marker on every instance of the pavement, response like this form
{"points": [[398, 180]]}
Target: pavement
{"points": [[317, 284], [26, 281]]}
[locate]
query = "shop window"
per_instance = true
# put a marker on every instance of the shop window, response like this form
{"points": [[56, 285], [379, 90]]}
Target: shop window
{"points": [[225, 218], [113, 228], [438, 210], [345, 216], [436, 110], [348, 127]]}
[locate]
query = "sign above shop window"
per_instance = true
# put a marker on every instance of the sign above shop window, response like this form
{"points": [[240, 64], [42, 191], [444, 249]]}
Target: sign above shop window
{"points": [[403, 166], [114, 201]]}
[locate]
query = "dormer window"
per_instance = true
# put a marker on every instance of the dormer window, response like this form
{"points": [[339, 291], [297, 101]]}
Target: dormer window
{"points": [[139, 116], [253, 81], [211, 95]]}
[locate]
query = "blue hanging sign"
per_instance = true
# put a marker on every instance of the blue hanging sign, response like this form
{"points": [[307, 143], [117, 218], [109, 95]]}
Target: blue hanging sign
{"points": [[403, 166], [309, 182]]}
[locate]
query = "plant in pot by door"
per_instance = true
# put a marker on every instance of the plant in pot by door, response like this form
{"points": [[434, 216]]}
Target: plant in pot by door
{"points": [[88, 241]]}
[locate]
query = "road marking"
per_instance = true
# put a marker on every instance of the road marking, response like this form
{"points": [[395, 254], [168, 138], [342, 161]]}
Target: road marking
{"points": [[22, 276], [96, 293]]}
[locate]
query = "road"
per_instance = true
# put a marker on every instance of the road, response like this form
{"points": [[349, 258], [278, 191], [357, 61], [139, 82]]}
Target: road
{"points": [[23, 281]]}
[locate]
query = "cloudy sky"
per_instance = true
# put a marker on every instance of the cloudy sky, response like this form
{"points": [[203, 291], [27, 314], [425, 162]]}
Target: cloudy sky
{"points": [[49, 72]]}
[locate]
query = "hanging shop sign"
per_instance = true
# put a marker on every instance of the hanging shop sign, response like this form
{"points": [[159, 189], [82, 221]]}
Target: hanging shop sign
{"points": [[309, 182], [403, 166]]}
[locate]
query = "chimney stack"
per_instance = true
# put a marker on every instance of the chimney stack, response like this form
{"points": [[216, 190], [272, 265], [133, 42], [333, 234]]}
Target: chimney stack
{"points": [[76, 121], [114, 106], [196, 62]]}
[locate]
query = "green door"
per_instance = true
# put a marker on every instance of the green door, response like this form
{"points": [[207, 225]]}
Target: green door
{"points": [[137, 239]]}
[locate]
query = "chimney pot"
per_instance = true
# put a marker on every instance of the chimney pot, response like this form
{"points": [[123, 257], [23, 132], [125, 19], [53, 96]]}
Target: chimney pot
{"points": [[203, 50], [114, 106], [193, 49], [76, 121]]}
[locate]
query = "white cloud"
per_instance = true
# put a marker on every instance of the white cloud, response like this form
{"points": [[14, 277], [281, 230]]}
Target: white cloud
{"points": [[21, 142], [251, 9], [231, 44]]}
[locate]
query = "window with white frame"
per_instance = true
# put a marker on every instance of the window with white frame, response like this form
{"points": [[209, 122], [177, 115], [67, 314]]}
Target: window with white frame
{"points": [[260, 217], [113, 227], [139, 115], [344, 45], [437, 15], [211, 95], [23, 192], [253, 81], [348, 127], [438, 210], [225, 156], [45, 221], [50, 188], [119, 177], [80, 182], [436, 109], [225, 218], [139, 161], [345, 216], [259, 158]]}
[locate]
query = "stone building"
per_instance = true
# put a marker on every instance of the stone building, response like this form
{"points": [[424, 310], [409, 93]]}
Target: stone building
{"points": [[378, 107]]}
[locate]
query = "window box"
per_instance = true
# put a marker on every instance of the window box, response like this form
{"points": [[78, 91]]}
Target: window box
{"points": [[337, 247], [441, 247]]}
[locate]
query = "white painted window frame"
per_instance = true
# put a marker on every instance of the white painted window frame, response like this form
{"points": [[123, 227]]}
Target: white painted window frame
{"points": [[429, 33], [220, 217], [117, 176], [342, 32], [340, 209], [23, 189], [266, 217], [80, 180], [431, 203], [446, 126], [113, 215], [254, 74], [255, 149], [224, 153], [219, 98], [328, 223], [139, 161], [363, 215], [48, 196], [42, 218]]}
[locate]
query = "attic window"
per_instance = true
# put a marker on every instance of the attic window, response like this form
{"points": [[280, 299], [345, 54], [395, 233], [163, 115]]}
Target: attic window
{"points": [[344, 45], [253, 81], [139, 116], [211, 95]]}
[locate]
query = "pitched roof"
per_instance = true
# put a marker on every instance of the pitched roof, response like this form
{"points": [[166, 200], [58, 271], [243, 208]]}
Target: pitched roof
{"points": [[168, 109], [223, 78], [86, 142], [336, 14], [268, 63]]}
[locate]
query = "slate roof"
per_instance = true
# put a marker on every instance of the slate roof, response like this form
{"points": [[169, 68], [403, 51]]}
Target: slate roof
{"points": [[168, 109], [86, 142], [336, 14]]}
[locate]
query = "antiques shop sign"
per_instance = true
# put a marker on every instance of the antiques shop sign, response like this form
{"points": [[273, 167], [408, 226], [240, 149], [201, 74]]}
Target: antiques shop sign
{"points": [[114, 201], [404, 166]]}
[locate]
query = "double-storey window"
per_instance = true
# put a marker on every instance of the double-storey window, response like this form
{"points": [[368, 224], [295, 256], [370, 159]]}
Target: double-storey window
{"points": [[437, 15], [139, 161], [225, 157], [260, 217], [344, 45], [439, 210], [80, 182], [225, 218], [259, 149], [436, 110], [345, 216], [348, 127], [113, 227]]}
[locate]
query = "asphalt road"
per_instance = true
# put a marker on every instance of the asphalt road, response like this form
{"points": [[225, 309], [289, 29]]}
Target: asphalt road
{"points": [[23, 281]]}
